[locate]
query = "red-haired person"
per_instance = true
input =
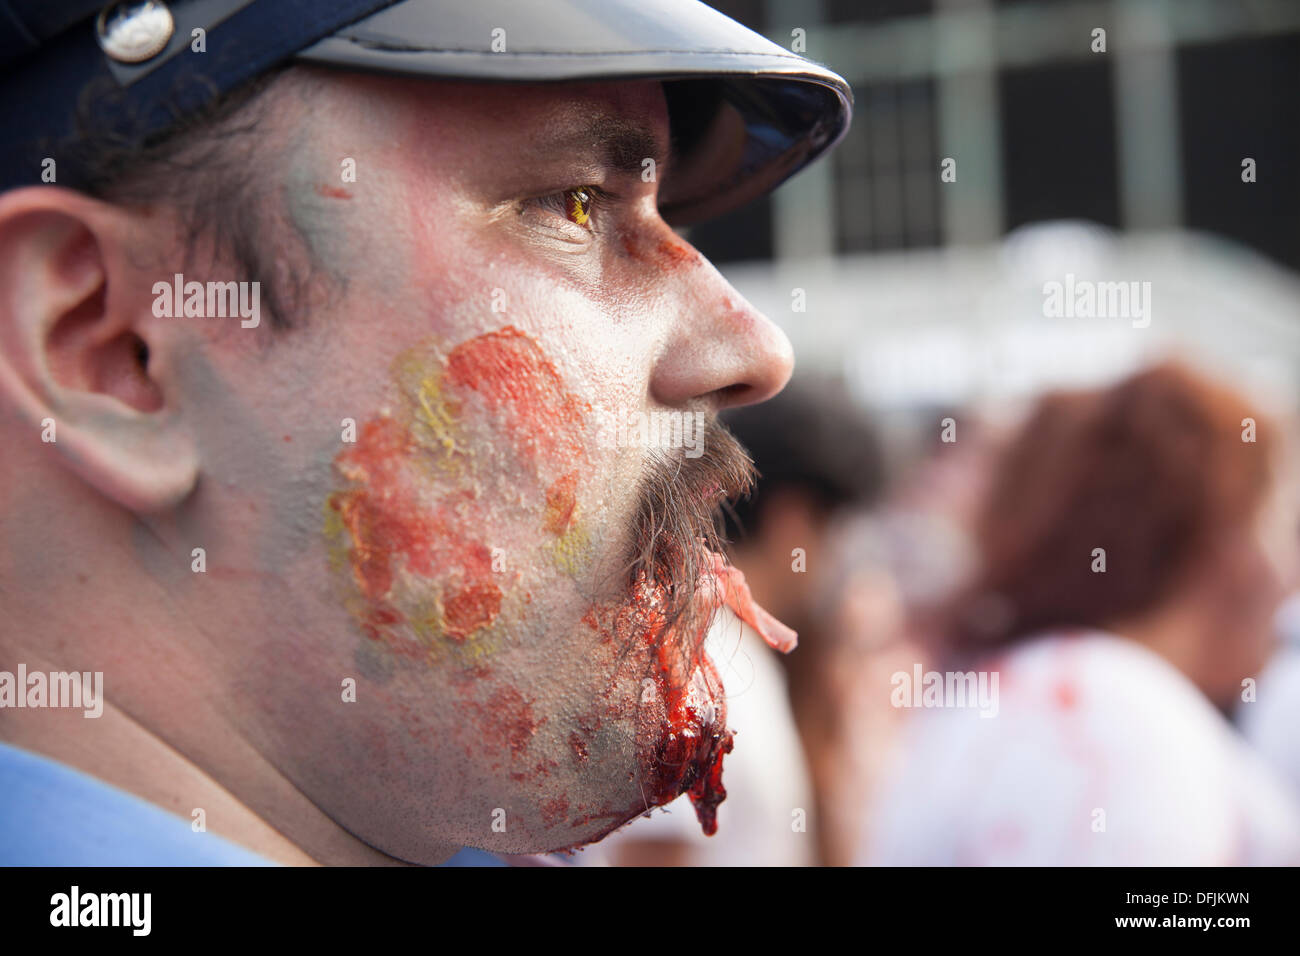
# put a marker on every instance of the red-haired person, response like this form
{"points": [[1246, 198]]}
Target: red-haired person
{"points": [[1134, 546]]}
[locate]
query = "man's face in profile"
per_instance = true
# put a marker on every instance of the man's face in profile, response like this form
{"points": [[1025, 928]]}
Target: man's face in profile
{"points": [[412, 491]]}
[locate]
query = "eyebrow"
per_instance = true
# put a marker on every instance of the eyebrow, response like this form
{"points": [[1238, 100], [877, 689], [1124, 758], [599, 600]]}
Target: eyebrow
{"points": [[621, 145]]}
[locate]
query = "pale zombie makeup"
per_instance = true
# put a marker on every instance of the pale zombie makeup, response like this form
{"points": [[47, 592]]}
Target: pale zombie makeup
{"points": [[517, 658], [421, 494]]}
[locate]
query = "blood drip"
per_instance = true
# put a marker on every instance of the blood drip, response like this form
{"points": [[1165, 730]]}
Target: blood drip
{"points": [[683, 720], [693, 738], [707, 792]]}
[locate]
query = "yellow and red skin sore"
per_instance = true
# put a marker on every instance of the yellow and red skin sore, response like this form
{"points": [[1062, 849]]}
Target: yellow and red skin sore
{"points": [[545, 422], [561, 502], [469, 609], [389, 521]]}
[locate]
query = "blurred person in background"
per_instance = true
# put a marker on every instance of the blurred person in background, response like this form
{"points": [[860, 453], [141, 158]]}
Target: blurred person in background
{"points": [[924, 529], [821, 463], [919, 543], [1133, 548]]}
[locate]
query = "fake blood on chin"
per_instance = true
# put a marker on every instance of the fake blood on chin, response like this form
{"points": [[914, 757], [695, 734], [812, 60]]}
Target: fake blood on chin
{"points": [[682, 725]]}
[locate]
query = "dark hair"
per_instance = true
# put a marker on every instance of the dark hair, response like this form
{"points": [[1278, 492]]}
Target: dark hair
{"points": [[203, 167], [812, 437], [1153, 470]]}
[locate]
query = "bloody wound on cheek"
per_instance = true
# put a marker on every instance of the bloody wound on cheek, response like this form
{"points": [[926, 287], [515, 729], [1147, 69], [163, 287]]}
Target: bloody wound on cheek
{"points": [[403, 524], [388, 524], [524, 389]]}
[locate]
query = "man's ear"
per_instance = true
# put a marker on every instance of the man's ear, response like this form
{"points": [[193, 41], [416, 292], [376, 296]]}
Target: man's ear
{"points": [[77, 363]]}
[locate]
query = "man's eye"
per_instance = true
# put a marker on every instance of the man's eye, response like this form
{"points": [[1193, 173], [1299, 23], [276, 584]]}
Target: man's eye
{"points": [[576, 204]]}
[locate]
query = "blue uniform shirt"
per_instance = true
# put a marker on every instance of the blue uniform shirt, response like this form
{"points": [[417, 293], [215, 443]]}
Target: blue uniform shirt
{"points": [[53, 815]]}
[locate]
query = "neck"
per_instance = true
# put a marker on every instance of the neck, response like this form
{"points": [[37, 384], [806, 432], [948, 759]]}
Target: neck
{"points": [[171, 731], [1177, 632], [201, 763]]}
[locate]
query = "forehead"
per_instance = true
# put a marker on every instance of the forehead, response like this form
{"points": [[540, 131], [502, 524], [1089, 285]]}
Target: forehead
{"points": [[506, 123]]}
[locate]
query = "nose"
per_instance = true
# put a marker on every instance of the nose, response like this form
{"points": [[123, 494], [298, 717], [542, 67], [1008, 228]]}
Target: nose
{"points": [[718, 347]]}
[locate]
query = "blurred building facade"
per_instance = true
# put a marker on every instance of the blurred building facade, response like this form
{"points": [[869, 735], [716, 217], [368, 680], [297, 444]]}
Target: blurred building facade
{"points": [[1149, 132]]}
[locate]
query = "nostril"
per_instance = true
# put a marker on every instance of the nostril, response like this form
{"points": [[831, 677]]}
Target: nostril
{"points": [[738, 394]]}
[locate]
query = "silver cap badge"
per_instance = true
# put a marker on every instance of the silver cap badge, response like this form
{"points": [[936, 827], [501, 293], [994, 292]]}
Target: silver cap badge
{"points": [[134, 32]]}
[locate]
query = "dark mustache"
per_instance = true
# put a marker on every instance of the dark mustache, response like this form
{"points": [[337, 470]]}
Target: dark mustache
{"points": [[679, 521]]}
